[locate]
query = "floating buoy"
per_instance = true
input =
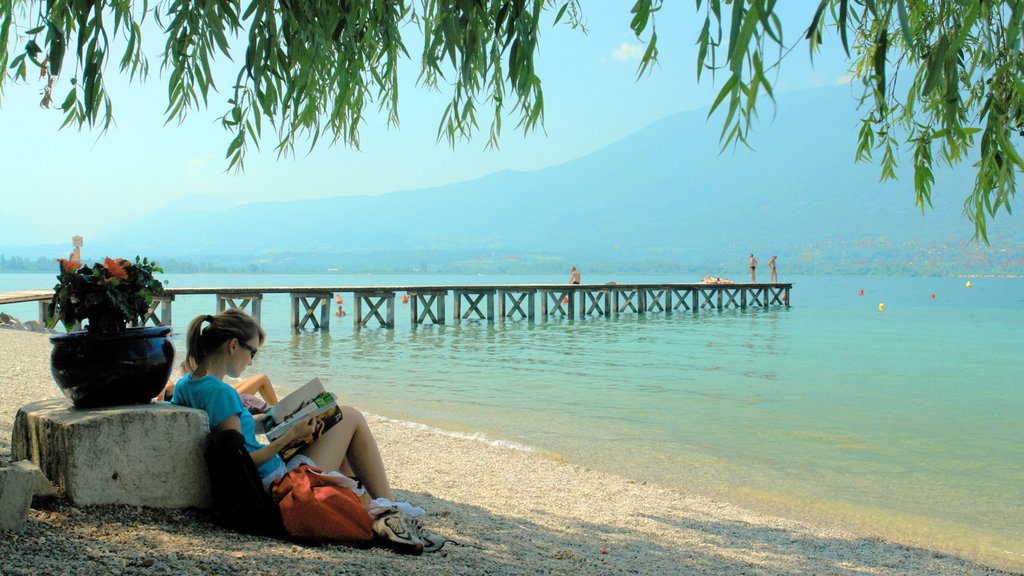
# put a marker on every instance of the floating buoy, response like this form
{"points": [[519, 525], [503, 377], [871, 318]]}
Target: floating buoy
{"points": [[405, 298], [968, 285], [565, 299], [933, 295], [861, 291], [338, 299], [881, 306]]}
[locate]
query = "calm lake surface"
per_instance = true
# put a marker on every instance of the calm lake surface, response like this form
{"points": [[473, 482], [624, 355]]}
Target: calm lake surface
{"points": [[906, 423]]}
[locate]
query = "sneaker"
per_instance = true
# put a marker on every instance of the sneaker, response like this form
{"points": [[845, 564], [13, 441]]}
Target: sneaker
{"points": [[431, 542], [392, 530]]}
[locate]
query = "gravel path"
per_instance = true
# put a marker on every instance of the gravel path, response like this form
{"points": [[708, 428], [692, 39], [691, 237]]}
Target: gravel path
{"points": [[514, 512]]}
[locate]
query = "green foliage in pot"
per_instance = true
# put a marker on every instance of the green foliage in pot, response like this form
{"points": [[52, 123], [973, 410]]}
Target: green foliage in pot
{"points": [[106, 296]]}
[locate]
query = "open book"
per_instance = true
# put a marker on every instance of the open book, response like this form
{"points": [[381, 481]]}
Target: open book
{"points": [[310, 399]]}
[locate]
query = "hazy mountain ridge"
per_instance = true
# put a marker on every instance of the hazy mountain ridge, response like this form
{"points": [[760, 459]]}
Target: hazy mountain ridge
{"points": [[663, 197]]}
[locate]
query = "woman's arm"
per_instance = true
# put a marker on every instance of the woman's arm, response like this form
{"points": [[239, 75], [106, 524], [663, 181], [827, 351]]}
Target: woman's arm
{"points": [[261, 423], [263, 455]]}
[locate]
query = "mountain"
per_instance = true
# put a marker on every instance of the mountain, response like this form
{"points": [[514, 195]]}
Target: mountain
{"points": [[662, 198]]}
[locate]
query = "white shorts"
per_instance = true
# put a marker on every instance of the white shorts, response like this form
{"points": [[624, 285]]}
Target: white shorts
{"points": [[291, 464]]}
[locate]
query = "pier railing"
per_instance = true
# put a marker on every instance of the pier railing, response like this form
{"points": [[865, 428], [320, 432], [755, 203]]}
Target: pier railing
{"points": [[375, 305]]}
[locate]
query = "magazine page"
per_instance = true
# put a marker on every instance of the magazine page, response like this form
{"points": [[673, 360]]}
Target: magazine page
{"points": [[295, 401]]}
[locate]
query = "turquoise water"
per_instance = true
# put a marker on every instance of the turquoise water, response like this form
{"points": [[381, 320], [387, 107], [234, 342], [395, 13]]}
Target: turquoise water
{"points": [[907, 423]]}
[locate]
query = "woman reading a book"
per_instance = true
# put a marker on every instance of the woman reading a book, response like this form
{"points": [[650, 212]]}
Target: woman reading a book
{"points": [[225, 344]]}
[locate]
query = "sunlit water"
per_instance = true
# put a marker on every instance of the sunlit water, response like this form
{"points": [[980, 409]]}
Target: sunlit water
{"points": [[906, 423]]}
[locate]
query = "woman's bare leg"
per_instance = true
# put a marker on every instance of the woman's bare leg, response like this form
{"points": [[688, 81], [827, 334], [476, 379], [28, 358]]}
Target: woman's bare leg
{"points": [[350, 446], [258, 384], [167, 393]]}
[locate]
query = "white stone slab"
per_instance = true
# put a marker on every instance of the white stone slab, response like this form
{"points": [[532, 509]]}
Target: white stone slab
{"points": [[19, 482], [141, 455]]}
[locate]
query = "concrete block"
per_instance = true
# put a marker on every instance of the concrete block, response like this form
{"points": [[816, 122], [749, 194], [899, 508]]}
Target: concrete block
{"points": [[19, 482], [141, 455]]}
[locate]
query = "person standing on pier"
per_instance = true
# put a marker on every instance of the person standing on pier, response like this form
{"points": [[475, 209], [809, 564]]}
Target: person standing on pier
{"points": [[753, 268], [574, 276], [771, 266]]}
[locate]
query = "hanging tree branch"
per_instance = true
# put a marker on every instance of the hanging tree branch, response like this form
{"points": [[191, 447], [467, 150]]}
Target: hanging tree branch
{"points": [[311, 67]]}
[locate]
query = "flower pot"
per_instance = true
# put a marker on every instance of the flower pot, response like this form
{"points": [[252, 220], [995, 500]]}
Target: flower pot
{"points": [[127, 367]]}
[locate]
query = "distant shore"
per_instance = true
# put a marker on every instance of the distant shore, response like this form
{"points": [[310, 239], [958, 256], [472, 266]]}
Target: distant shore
{"points": [[515, 512]]}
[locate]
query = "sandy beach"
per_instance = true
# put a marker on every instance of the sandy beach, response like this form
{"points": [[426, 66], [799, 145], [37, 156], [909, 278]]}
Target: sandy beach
{"points": [[512, 511]]}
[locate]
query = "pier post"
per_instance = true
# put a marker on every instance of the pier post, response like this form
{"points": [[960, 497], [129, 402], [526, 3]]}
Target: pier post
{"points": [[163, 303], [563, 300], [325, 313], [655, 299], [474, 298], [628, 299], [304, 309], [44, 311], [732, 294], [374, 299], [594, 301], [515, 298], [251, 301]]}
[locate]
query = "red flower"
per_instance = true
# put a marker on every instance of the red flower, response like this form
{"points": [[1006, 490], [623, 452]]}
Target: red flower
{"points": [[115, 269], [69, 265]]}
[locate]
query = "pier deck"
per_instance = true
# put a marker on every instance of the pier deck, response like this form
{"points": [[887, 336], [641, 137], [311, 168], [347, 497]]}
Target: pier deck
{"points": [[375, 305]]}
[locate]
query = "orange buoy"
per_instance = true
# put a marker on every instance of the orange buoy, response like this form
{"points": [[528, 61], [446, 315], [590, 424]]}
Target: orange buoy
{"points": [[565, 299], [405, 298], [338, 299], [861, 291], [933, 295]]}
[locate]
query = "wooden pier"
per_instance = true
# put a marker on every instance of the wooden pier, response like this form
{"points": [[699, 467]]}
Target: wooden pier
{"points": [[375, 305]]}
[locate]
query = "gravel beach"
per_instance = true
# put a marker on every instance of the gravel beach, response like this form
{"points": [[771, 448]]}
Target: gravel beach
{"points": [[513, 512]]}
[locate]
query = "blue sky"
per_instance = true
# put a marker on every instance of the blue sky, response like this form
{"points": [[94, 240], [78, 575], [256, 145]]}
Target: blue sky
{"points": [[57, 183]]}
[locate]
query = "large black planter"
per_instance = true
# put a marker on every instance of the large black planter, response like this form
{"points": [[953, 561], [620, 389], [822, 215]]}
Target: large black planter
{"points": [[127, 367]]}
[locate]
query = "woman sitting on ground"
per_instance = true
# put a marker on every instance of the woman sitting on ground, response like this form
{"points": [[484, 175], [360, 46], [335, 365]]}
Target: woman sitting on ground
{"points": [[225, 345]]}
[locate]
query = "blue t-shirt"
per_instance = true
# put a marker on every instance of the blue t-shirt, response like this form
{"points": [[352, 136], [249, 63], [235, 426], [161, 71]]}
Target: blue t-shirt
{"points": [[221, 401]]}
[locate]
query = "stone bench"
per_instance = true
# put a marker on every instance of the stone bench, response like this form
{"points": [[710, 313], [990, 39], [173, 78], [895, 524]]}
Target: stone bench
{"points": [[142, 455]]}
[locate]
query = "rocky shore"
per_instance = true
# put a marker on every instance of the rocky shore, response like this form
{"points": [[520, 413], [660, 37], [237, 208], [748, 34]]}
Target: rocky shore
{"points": [[11, 323], [513, 512]]}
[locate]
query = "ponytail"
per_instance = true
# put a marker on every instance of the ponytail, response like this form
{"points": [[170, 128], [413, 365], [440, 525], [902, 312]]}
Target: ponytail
{"points": [[200, 342]]}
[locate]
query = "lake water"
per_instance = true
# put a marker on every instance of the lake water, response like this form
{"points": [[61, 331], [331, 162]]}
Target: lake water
{"points": [[906, 423]]}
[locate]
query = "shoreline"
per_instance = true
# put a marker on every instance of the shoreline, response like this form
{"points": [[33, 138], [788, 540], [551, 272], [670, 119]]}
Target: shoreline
{"points": [[515, 511]]}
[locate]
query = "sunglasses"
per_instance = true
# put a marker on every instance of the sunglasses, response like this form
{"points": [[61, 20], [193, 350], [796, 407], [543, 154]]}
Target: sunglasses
{"points": [[252, 350]]}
